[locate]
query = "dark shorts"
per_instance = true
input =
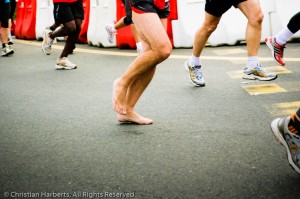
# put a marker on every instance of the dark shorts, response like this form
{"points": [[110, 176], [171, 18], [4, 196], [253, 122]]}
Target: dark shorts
{"points": [[66, 12], [128, 17], [4, 13], [219, 7], [12, 8], [148, 6]]}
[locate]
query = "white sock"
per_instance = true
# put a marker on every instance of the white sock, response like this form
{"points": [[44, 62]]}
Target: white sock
{"points": [[283, 36], [252, 62], [195, 61], [139, 47]]}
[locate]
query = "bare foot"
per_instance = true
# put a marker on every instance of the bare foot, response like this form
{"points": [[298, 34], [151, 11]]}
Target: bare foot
{"points": [[119, 97], [133, 117]]}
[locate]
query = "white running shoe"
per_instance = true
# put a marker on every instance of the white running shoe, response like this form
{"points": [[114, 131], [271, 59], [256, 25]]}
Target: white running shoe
{"points": [[258, 72], [195, 74], [47, 42], [64, 64], [111, 31], [7, 50]]}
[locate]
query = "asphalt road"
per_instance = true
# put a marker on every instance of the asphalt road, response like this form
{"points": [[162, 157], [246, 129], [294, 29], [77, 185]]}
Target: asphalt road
{"points": [[59, 137]]}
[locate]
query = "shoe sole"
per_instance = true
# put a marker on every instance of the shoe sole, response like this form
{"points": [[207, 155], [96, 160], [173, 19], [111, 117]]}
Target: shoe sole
{"points": [[270, 46], [281, 140], [57, 67], [186, 67], [7, 54], [254, 77]]}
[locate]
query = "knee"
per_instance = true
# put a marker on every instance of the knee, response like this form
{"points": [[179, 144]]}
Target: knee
{"points": [[210, 28], [256, 19], [71, 29], [165, 50]]}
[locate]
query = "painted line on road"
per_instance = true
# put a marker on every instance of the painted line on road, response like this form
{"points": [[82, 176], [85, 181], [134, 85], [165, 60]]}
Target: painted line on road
{"points": [[282, 109], [114, 53], [263, 89]]}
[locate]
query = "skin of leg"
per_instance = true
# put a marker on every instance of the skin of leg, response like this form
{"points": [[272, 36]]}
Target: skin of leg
{"points": [[252, 10], [120, 24], [4, 35], [72, 38], [153, 33], [138, 86], [135, 34], [208, 26], [65, 30], [9, 26], [135, 90]]}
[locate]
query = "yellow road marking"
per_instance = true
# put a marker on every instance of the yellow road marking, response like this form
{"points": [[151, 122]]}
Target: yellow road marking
{"points": [[263, 89], [106, 52], [278, 70], [283, 109]]}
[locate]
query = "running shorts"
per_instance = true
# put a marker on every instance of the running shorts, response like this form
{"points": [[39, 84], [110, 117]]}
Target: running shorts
{"points": [[128, 18], [12, 9], [219, 7], [66, 12], [161, 7], [4, 13]]}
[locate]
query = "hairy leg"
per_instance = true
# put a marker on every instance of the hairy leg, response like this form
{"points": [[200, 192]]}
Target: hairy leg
{"points": [[252, 10], [152, 32], [203, 33]]}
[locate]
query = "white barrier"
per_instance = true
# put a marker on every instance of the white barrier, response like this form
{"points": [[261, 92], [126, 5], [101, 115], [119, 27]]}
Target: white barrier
{"points": [[282, 14], [232, 27], [191, 13], [44, 17], [102, 12], [190, 16]]}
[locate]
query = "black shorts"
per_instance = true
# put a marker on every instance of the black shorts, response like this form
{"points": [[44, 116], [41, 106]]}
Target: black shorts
{"points": [[128, 18], [66, 12], [148, 6], [219, 7], [12, 8], [4, 13]]}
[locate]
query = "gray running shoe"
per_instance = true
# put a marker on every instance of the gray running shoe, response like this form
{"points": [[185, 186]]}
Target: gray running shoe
{"points": [[290, 141], [258, 73], [195, 74]]}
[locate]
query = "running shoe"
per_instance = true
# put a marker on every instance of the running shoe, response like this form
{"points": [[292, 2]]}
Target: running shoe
{"points": [[276, 49], [195, 74], [7, 50], [290, 141], [258, 73], [64, 64], [47, 42], [110, 32]]}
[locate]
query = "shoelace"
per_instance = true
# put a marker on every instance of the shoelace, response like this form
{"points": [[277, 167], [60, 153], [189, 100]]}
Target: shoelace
{"points": [[197, 73]]}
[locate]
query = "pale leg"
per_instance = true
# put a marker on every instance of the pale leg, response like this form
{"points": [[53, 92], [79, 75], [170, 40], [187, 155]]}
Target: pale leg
{"points": [[207, 28], [152, 32], [252, 10]]}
